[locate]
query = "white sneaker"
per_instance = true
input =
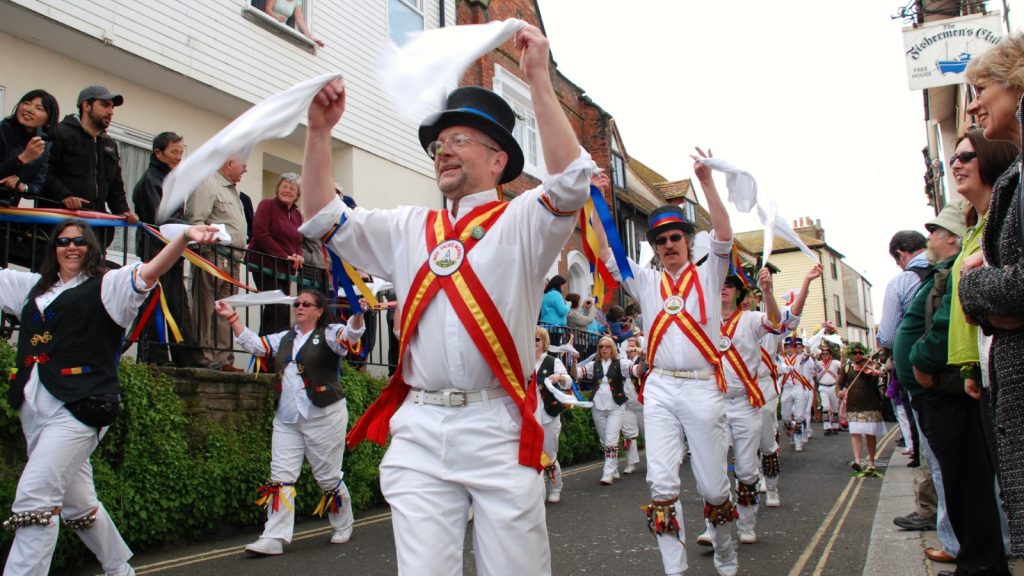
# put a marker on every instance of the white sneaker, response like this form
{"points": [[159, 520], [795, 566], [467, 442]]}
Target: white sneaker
{"points": [[341, 536], [266, 547], [607, 480], [554, 497], [799, 447], [748, 537], [616, 474], [772, 499], [705, 539], [629, 469], [762, 486], [128, 571]]}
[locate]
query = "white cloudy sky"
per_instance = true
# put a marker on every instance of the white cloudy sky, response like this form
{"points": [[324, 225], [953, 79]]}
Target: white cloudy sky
{"points": [[812, 99]]}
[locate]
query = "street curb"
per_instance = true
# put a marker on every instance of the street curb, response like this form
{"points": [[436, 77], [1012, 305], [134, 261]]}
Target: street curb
{"points": [[893, 550]]}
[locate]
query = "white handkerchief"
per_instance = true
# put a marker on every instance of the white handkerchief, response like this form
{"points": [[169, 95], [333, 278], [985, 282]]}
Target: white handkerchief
{"points": [[259, 298], [172, 231], [275, 117], [741, 185], [417, 75]]}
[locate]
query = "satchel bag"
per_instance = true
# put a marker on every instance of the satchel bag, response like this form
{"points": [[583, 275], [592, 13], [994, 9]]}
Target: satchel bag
{"points": [[96, 411]]}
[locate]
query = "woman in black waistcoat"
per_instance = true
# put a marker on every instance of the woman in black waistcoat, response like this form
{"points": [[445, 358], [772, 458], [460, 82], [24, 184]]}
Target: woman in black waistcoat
{"points": [[311, 415], [73, 316]]}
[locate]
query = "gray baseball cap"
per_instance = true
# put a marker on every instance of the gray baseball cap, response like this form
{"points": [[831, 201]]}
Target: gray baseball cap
{"points": [[99, 93]]}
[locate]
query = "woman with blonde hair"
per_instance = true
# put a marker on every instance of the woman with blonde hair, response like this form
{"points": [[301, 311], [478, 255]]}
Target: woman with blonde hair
{"points": [[547, 366], [609, 374]]}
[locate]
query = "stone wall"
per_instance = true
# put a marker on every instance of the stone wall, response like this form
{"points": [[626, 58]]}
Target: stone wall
{"points": [[220, 396]]}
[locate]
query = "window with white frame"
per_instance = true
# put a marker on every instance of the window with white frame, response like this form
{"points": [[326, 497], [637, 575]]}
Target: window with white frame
{"points": [[618, 171], [404, 17], [135, 148], [517, 94], [839, 311], [285, 17], [690, 210]]}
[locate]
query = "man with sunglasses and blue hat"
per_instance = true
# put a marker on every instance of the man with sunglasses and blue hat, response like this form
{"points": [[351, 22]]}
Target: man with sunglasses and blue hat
{"points": [[460, 406], [684, 387]]}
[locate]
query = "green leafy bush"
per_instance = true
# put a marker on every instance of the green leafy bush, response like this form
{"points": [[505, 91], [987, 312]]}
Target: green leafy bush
{"points": [[165, 479]]}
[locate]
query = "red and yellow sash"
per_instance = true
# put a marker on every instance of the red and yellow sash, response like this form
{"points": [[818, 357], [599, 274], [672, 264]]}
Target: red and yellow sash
{"points": [[686, 323], [754, 395], [794, 373], [481, 319], [768, 361]]}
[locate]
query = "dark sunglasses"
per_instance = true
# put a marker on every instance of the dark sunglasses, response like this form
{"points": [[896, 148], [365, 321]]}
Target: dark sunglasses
{"points": [[298, 304], [65, 241], [963, 157], [662, 240], [536, 339]]}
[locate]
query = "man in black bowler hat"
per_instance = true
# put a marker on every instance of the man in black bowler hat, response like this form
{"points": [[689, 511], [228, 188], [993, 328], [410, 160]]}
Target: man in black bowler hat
{"points": [[461, 403]]}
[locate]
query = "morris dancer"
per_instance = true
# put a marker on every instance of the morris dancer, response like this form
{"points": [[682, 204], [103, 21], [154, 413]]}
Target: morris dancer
{"points": [[547, 366], [461, 404], [633, 418], [768, 380], [740, 345], [610, 375], [73, 316], [826, 374], [684, 385], [796, 392], [310, 416]]}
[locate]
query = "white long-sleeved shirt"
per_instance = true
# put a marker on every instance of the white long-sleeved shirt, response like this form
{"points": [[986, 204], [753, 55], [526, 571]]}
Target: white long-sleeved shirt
{"points": [[675, 351], [511, 261], [294, 403]]}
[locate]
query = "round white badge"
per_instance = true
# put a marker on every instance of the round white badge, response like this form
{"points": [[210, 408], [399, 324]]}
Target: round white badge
{"points": [[674, 305], [724, 343], [446, 258]]}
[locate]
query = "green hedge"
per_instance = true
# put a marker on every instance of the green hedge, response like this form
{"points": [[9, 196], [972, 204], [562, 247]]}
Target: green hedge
{"points": [[165, 479]]}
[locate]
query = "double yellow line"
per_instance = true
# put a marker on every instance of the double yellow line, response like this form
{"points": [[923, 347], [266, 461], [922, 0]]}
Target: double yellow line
{"points": [[841, 509], [322, 531]]}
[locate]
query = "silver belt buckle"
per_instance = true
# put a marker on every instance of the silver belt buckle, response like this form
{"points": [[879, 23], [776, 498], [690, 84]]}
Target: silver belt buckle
{"points": [[455, 398]]}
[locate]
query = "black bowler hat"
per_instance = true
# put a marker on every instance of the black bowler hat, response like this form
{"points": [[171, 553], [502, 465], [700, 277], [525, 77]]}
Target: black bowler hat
{"points": [[669, 217], [485, 111], [736, 282]]}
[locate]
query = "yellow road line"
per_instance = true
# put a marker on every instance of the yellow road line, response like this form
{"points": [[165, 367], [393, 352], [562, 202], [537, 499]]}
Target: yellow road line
{"points": [[841, 502], [224, 552]]}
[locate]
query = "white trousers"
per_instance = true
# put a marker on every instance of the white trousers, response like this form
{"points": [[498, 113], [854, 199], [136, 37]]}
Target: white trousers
{"points": [[829, 406], [322, 442], [795, 400], [439, 462], [609, 424], [672, 405], [769, 426], [744, 422], [552, 426], [58, 474], [901, 417]]}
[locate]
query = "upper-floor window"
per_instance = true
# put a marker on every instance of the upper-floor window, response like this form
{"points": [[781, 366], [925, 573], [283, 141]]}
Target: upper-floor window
{"points": [[690, 210], [135, 148], [618, 171], [517, 94], [834, 264], [404, 17], [839, 311], [293, 17]]}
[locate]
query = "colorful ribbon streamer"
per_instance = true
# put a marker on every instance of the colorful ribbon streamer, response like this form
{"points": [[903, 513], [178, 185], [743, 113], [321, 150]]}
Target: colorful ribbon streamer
{"points": [[736, 268]]}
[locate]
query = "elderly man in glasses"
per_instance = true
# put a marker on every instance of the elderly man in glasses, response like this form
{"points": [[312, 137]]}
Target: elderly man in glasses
{"points": [[461, 404], [684, 387]]}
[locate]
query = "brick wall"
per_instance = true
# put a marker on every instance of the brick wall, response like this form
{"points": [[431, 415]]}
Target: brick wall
{"points": [[592, 125]]}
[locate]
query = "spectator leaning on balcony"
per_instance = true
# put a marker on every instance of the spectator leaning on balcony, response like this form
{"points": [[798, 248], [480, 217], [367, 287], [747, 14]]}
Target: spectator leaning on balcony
{"points": [[553, 307], [168, 149], [73, 317], [275, 232], [310, 418], [24, 152], [216, 201], [85, 164], [289, 11]]}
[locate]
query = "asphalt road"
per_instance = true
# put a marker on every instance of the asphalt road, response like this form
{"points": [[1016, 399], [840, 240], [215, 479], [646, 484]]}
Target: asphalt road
{"points": [[822, 528]]}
